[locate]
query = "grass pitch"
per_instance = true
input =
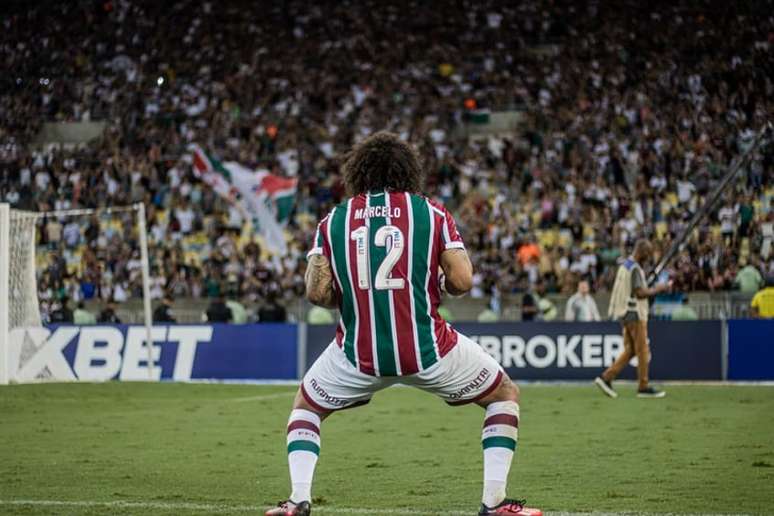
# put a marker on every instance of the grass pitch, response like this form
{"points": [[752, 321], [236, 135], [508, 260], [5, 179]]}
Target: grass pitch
{"points": [[123, 448]]}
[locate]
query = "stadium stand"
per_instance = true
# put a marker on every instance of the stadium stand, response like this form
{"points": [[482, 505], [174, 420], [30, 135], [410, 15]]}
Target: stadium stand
{"points": [[623, 130]]}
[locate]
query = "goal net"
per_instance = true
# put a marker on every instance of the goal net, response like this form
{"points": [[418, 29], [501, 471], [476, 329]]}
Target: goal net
{"points": [[25, 255]]}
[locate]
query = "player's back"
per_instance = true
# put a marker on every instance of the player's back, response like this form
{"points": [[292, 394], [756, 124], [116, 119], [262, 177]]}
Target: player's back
{"points": [[384, 249]]}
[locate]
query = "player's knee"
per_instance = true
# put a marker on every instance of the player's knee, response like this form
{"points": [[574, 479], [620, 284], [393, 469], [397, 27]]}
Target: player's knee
{"points": [[300, 403], [513, 393], [508, 391]]}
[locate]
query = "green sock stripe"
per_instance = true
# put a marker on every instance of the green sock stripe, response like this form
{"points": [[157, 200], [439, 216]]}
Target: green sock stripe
{"points": [[499, 442], [303, 446]]}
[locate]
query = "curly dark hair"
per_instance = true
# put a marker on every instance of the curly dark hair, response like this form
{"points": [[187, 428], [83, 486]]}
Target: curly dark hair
{"points": [[382, 162]]}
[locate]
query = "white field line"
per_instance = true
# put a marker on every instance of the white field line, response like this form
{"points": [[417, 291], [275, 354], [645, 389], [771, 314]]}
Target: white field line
{"points": [[261, 397], [227, 508]]}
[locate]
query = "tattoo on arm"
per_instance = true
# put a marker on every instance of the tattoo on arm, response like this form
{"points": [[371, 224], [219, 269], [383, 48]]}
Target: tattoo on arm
{"points": [[319, 282]]}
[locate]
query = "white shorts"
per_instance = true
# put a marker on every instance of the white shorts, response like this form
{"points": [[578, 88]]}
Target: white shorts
{"points": [[466, 374]]}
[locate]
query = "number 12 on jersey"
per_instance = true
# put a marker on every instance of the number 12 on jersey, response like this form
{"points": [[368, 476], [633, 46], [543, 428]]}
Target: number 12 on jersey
{"points": [[386, 236]]}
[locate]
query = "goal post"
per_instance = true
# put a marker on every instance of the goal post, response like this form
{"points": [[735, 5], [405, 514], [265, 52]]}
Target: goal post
{"points": [[146, 300], [20, 314], [5, 243]]}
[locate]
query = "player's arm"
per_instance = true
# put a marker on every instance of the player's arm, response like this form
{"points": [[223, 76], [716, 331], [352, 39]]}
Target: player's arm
{"points": [[457, 279], [641, 289], [319, 282], [644, 292], [457, 270]]}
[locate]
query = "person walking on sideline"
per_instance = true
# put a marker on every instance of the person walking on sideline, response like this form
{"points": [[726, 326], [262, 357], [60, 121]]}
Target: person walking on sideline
{"points": [[629, 304]]}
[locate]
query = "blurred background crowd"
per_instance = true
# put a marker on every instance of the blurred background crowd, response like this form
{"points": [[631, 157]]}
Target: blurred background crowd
{"points": [[629, 114]]}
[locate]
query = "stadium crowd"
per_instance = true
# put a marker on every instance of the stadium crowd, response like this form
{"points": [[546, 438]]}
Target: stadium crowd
{"points": [[629, 115]]}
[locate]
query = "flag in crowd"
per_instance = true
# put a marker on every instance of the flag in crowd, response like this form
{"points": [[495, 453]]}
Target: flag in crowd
{"points": [[265, 198]]}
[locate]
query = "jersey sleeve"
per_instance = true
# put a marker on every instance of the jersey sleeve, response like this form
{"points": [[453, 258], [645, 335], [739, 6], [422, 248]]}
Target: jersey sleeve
{"points": [[320, 245], [450, 236]]}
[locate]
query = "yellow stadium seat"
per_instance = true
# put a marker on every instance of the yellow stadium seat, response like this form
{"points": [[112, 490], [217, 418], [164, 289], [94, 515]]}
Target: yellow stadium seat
{"points": [[671, 199], [744, 246], [192, 258], [565, 238], [548, 238], [661, 229]]}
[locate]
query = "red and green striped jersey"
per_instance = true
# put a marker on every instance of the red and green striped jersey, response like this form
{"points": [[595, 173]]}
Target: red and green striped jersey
{"points": [[384, 250]]}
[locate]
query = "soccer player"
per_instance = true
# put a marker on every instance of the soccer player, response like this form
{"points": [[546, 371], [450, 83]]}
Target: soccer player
{"points": [[383, 257], [629, 304]]}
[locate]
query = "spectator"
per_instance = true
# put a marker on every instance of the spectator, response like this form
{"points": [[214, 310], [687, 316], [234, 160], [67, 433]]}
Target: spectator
{"points": [[72, 234], [238, 312], [83, 316], [748, 279], [684, 312], [546, 309], [767, 234], [272, 310], [218, 312], [488, 315], [319, 315], [108, 314], [60, 312], [163, 313], [762, 303], [581, 305], [529, 306], [727, 216], [529, 251], [446, 313]]}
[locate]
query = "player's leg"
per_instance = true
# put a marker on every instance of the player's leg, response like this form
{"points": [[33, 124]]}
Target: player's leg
{"points": [[622, 360], [605, 381], [642, 349], [331, 384], [303, 445], [467, 374], [498, 439]]}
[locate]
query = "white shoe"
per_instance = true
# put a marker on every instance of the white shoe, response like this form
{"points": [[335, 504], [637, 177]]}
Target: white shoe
{"points": [[650, 392], [605, 387]]}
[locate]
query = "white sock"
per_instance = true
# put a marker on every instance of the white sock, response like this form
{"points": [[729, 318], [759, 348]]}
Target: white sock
{"points": [[501, 430], [303, 449]]}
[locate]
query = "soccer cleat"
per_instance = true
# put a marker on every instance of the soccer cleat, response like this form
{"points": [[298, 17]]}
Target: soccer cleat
{"points": [[290, 508], [650, 392], [509, 506], [605, 386]]}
